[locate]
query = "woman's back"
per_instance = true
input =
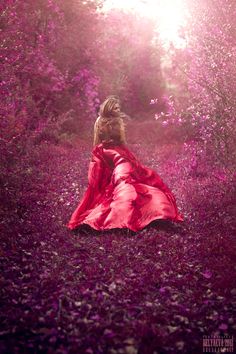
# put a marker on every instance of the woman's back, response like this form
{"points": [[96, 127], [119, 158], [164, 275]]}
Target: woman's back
{"points": [[109, 130]]}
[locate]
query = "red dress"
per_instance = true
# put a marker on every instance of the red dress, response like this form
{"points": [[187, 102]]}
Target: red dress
{"points": [[122, 193]]}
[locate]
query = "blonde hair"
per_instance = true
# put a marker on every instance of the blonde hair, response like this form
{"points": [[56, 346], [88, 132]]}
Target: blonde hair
{"points": [[109, 126], [107, 107]]}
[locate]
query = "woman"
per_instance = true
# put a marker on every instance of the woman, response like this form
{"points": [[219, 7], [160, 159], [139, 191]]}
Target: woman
{"points": [[121, 192]]}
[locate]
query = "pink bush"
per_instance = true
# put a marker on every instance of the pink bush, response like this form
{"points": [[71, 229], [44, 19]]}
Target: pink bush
{"points": [[203, 72]]}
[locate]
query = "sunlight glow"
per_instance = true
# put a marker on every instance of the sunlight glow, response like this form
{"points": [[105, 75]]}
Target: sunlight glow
{"points": [[170, 15]]}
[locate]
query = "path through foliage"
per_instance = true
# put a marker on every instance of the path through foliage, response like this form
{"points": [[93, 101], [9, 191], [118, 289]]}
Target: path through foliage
{"points": [[159, 290]]}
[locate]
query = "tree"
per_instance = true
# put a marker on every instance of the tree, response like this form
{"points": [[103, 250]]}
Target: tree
{"points": [[206, 67], [129, 62]]}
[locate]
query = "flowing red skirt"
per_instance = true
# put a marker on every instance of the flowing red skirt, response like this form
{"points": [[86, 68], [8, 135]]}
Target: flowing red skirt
{"points": [[122, 193]]}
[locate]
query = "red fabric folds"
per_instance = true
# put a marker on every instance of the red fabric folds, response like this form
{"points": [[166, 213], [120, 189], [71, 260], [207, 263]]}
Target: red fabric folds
{"points": [[122, 193]]}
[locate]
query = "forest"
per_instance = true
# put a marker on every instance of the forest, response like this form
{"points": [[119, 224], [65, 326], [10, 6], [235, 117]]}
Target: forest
{"points": [[163, 289]]}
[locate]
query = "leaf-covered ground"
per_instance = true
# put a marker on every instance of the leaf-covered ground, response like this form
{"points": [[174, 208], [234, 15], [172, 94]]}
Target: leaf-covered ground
{"points": [[159, 290]]}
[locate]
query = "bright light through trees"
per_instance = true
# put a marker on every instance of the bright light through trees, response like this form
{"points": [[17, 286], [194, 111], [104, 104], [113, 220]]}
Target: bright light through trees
{"points": [[170, 15]]}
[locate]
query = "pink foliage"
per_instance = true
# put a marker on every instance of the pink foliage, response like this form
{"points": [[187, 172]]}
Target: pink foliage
{"points": [[203, 100]]}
